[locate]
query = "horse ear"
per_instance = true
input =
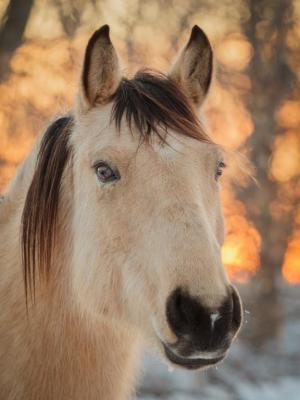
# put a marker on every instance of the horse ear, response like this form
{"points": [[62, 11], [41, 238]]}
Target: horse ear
{"points": [[192, 69], [101, 71]]}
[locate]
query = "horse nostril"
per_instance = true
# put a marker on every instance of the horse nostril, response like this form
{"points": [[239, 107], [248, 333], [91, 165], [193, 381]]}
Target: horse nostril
{"points": [[175, 312], [186, 315]]}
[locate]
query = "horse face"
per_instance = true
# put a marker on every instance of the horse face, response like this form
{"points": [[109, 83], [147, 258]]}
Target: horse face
{"points": [[148, 225]]}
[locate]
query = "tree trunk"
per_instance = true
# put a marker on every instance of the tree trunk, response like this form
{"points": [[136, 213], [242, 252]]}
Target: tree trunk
{"points": [[12, 30], [272, 81]]}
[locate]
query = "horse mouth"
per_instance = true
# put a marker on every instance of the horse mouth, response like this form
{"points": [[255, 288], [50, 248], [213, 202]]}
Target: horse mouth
{"points": [[190, 363]]}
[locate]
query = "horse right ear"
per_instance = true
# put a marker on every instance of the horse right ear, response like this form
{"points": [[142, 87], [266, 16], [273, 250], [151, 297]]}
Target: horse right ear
{"points": [[193, 67], [101, 70]]}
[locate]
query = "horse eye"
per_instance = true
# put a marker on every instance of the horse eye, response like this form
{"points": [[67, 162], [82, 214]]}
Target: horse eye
{"points": [[106, 173], [220, 168]]}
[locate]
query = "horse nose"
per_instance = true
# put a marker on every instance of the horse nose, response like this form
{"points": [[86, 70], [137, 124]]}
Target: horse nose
{"points": [[200, 327]]}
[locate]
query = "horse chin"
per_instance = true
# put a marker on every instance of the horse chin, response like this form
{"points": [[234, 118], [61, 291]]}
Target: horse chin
{"points": [[174, 359], [190, 362]]}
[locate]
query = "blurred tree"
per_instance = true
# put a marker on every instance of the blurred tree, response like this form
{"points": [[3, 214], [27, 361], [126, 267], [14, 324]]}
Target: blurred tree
{"points": [[272, 81], [70, 14], [12, 28]]}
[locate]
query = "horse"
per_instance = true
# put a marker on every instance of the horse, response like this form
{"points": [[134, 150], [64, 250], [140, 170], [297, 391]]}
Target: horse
{"points": [[111, 235]]}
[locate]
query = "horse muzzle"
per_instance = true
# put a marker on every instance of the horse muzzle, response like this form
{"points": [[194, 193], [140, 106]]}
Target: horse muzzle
{"points": [[203, 334]]}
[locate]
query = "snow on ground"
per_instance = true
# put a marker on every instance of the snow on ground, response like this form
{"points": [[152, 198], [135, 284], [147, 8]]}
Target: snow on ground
{"points": [[285, 389], [225, 383]]}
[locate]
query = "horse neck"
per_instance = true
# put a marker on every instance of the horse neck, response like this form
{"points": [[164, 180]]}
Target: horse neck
{"points": [[85, 355]]}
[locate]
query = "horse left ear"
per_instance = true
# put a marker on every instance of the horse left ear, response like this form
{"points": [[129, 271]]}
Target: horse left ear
{"points": [[101, 74], [193, 68]]}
